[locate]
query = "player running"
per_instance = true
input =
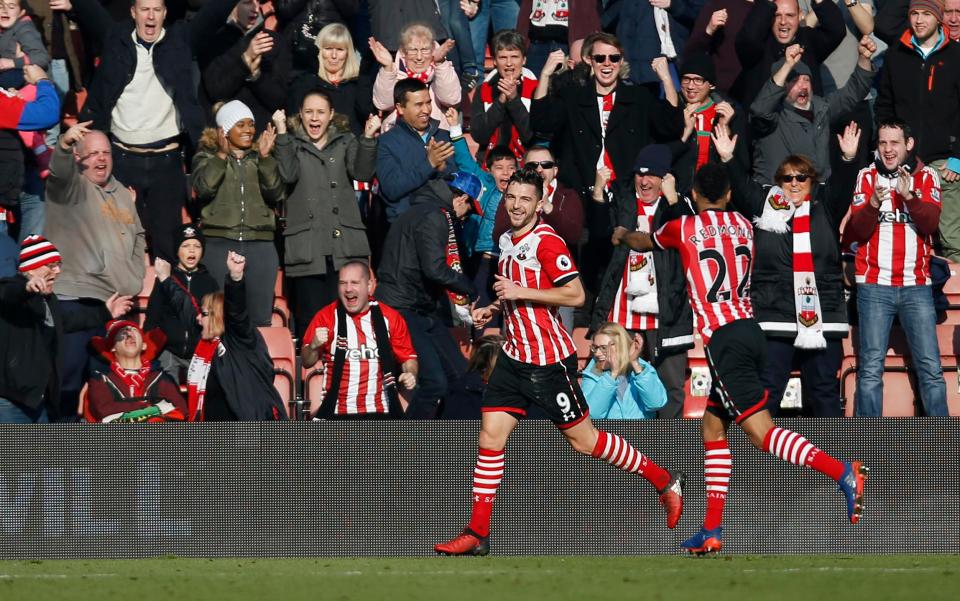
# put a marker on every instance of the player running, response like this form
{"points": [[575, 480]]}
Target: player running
{"points": [[716, 247], [538, 365]]}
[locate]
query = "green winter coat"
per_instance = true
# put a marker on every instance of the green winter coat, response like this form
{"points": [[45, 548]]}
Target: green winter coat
{"points": [[238, 195]]}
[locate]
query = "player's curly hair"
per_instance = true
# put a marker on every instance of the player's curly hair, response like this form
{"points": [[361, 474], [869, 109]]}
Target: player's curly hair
{"points": [[711, 182]]}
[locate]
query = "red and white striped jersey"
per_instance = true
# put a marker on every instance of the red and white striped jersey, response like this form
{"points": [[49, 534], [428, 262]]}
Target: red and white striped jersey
{"points": [[361, 387], [716, 248], [538, 259], [896, 254], [636, 261]]}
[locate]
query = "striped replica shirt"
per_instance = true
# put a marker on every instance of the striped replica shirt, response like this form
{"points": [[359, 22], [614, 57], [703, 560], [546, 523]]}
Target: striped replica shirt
{"points": [[896, 254], [638, 263], [361, 387], [717, 253], [538, 259]]}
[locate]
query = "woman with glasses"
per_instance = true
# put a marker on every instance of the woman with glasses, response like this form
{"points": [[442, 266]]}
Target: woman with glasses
{"points": [[797, 286], [619, 384], [419, 57]]}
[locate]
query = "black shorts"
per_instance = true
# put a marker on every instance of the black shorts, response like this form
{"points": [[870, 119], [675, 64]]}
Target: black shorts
{"points": [[513, 386], [737, 355]]}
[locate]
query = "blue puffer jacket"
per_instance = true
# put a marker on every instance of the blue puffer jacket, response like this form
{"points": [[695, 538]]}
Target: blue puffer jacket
{"points": [[477, 230], [633, 396]]}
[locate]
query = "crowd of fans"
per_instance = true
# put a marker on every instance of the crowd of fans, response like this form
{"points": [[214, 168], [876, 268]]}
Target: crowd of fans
{"points": [[361, 148]]}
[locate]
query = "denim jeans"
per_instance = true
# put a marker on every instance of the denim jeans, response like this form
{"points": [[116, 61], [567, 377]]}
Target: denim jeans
{"points": [[33, 212], [462, 55], [12, 413], [878, 305], [9, 253], [501, 13], [440, 363]]}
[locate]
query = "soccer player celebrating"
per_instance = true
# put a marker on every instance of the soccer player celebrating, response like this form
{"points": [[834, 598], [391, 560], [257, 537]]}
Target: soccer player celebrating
{"points": [[716, 247], [538, 365]]}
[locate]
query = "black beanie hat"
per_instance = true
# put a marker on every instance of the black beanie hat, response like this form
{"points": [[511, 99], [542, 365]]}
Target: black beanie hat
{"points": [[699, 64], [188, 231]]}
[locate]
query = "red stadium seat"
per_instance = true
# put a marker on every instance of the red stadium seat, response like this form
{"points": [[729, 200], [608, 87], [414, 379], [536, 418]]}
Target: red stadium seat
{"points": [[899, 394], [283, 354], [313, 383]]}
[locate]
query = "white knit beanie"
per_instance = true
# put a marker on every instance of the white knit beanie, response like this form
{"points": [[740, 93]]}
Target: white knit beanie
{"points": [[232, 112]]}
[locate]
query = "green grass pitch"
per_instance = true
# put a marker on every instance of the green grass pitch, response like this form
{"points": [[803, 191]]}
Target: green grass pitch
{"points": [[743, 578]]}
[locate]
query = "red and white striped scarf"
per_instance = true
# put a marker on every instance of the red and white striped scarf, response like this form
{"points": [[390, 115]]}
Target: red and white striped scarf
{"points": [[528, 84], [426, 77], [459, 302], [197, 374], [605, 105], [777, 214], [134, 380]]}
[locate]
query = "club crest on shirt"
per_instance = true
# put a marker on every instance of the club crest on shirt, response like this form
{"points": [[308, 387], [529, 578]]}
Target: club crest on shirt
{"points": [[808, 306], [778, 202], [522, 252], [564, 263], [637, 261]]}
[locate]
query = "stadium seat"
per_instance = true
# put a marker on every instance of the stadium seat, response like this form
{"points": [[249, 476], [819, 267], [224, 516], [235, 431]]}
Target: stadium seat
{"points": [[952, 286], [899, 393], [283, 354], [281, 309]]}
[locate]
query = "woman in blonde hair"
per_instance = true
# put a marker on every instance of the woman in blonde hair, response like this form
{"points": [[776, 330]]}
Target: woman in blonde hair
{"points": [[619, 384], [338, 75]]}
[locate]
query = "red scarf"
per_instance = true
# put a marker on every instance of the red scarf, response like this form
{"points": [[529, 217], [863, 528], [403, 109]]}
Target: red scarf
{"points": [[197, 375], [528, 84], [704, 127], [133, 380], [425, 77], [604, 119]]}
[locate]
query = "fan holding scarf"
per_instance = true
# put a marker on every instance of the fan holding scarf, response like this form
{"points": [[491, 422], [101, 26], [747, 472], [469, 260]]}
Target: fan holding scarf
{"points": [[797, 284]]}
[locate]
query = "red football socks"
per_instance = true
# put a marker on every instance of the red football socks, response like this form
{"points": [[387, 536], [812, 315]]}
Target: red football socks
{"points": [[617, 451], [796, 449], [486, 479], [716, 474]]}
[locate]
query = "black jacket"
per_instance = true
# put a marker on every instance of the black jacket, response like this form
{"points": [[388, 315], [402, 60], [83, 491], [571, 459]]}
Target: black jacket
{"points": [[31, 354], [172, 61], [413, 273], [771, 284], [675, 330], [572, 118], [685, 153], [925, 94], [302, 20], [758, 50], [224, 76], [179, 322], [245, 370]]}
